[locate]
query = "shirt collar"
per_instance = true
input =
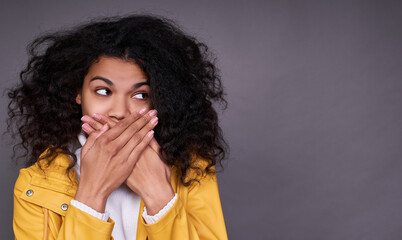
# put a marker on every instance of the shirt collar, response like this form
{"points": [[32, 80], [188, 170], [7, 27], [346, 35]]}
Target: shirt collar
{"points": [[82, 138]]}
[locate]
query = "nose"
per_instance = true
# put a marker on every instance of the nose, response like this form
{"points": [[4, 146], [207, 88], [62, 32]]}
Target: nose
{"points": [[119, 108]]}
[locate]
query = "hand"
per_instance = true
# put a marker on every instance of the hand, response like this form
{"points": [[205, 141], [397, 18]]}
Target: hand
{"points": [[108, 157], [97, 121], [150, 177]]}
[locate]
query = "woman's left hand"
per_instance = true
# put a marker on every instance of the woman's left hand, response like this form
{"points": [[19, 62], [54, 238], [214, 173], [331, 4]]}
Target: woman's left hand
{"points": [[150, 177], [151, 180]]}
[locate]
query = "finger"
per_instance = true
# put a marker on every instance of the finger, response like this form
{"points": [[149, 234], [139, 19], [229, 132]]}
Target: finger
{"points": [[91, 122], [154, 145], [103, 130], [122, 132], [104, 120], [137, 138], [88, 129], [92, 138], [142, 126], [137, 151]]}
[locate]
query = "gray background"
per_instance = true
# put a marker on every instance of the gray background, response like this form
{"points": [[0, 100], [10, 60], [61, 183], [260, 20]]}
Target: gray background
{"points": [[314, 121]]}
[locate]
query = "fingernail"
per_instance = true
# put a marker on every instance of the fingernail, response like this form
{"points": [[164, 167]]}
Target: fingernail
{"points": [[85, 118], [86, 127], [142, 111], [154, 120], [151, 133], [97, 116], [152, 113], [104, 127]]}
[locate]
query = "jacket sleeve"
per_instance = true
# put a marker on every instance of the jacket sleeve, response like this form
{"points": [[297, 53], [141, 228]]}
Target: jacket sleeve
{"points": [[34, 216], [81, 225], [199, 216]]}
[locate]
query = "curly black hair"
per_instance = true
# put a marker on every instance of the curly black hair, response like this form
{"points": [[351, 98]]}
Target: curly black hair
{"points": [[184, 82]]}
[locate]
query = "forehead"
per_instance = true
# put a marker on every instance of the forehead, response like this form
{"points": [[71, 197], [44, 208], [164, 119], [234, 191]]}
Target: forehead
{"points": [[117, 70]]}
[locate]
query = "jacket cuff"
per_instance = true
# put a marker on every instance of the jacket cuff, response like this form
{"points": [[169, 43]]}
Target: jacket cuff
{"points": [[166, 219], [87, 220], [153, 219]]}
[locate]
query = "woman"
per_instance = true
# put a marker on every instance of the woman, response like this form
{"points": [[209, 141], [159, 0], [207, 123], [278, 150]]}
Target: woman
{"points": [[117, 122]]}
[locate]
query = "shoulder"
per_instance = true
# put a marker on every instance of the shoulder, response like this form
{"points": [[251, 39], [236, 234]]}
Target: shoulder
{"points": [[53, 163], [197, 172], [54, 175]]}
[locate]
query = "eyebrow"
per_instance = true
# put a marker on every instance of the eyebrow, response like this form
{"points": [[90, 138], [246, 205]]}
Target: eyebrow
{"points": [[109, 82]]}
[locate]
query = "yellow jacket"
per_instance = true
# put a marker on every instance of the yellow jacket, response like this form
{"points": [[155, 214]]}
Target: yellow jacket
{"points": [[42, 209]]}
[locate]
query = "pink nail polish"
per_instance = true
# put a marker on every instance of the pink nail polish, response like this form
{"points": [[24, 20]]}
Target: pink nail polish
{"points": [[152, 113], [85, 119], [154, 120], [151, 134], [86, 127], [142, 111], [104, 127], [97, 116]]}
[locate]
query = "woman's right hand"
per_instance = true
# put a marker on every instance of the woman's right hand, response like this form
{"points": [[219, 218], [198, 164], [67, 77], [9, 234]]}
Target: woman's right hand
{"points": [[108, 157]]}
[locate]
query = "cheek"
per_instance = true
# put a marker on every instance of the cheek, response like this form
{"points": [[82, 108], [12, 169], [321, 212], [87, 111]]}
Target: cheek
{"points": [[89, 109], [136, 106], [91, 105]]}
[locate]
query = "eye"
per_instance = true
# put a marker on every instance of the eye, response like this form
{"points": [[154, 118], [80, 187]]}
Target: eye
{"points": [[140, 95], [103, 91]]}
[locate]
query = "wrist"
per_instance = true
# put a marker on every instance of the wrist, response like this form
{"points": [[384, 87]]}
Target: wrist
{"points": [[156, 200], [92, 199]]}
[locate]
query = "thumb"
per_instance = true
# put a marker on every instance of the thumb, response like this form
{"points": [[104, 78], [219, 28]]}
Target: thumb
{"points": [[92, 138]]}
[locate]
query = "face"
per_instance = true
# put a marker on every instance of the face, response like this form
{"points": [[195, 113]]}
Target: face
{"points": [[115, 88]]}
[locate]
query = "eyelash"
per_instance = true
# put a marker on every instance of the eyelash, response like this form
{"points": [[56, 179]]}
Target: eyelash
{"points": [[108, 92]]}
